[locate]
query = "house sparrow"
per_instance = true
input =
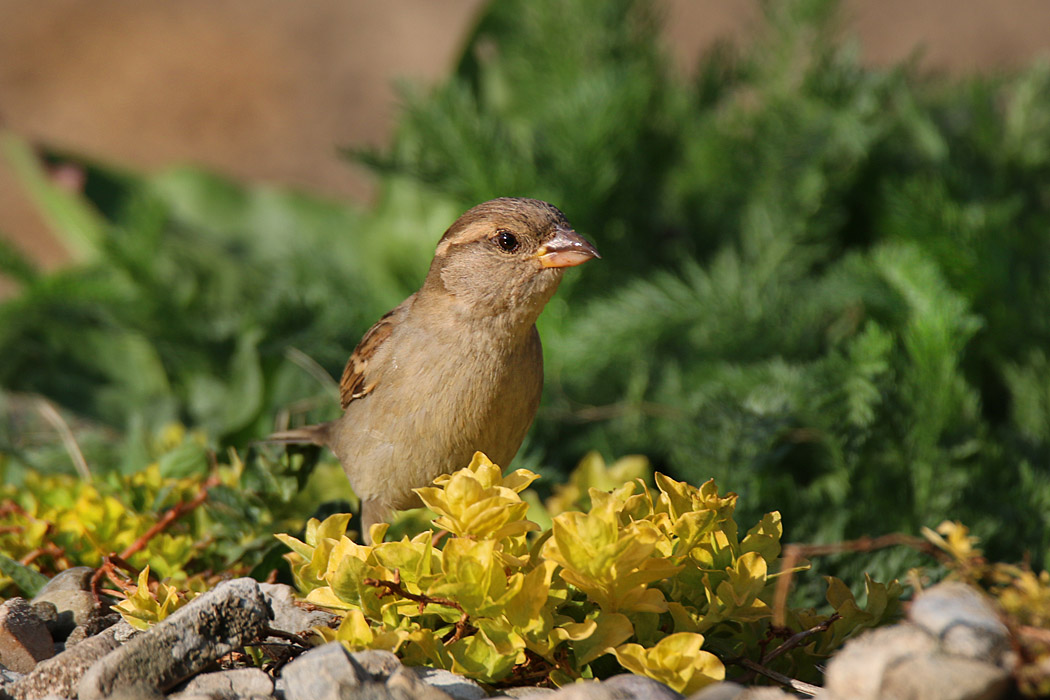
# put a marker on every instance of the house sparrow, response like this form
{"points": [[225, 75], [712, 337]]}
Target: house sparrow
{"points": [[456, 367]]}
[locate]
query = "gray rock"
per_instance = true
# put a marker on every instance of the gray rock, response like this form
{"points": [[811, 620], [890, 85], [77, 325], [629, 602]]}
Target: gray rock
{"points": [[24, 640], [226, 618], [719, 691], [326, 672], [943, 677], [407, 681], [92, 626], [136, 692], [525, 691], [379, 664], [590, 690], [640, 687], [7, 676], [963, 619], [48, 614], [70, 593], [856, 671], [375, 691], [232, 684], [289, 615], [61, 674], [451, 684], [765, 693]]}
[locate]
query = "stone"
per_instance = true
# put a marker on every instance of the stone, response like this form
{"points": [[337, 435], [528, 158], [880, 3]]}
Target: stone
{"points": [[376, 691], [765, 692], [641, 687], [963, 619], [327, 672], [48, 614], [451, 684], [377, 663], [61, 674], [7, 676], [591, 690], [92, 626], [525, 691], [70, 593], [24, 639], [856, 671], [723, 690], [943, 677], [289, 615], [232, 614], [232, 684], [406, 681]]}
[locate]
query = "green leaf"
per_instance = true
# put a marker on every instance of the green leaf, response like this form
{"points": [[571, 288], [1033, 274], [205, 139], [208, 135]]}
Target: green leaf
{"points": [[27, 579], [70, 215]]}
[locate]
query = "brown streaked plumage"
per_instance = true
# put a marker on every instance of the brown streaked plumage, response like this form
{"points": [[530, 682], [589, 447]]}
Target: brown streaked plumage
{"points": [[457, 367]]}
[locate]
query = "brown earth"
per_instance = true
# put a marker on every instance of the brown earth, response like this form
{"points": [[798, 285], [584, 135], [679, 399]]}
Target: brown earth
{"points": [[268, 89]]}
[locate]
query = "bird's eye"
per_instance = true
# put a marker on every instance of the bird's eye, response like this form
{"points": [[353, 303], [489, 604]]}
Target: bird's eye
{"points": [[506, 241]]}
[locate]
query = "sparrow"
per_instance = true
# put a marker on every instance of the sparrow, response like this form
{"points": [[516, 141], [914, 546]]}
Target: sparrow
{"points": [[456, 367]]}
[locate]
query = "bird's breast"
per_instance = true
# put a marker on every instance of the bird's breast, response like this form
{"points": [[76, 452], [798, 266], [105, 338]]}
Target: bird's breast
{"points": [[428, 417]]}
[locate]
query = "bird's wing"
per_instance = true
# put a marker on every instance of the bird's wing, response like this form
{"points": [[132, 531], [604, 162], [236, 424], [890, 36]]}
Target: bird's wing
{"points": [[356, 382]]}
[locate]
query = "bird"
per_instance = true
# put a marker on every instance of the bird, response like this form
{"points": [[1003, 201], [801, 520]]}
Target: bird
{"points": [[457, 367]]}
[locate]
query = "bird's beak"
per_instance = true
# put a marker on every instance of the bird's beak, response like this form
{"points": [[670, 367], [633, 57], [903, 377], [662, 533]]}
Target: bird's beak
{"points": [[566, 249]]}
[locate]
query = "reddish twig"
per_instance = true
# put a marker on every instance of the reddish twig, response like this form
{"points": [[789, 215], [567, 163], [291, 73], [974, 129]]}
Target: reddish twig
{"points": [[10, 507], [173, 514], [120, 560], [394, 588], [50, 548], [108, 570]]}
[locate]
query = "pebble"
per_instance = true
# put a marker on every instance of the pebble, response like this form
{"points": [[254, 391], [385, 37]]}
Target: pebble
{"points": [[407, 681], [525, 691], [222, 620], [944, 677], [723, 690], [70, 593], [856, 671], [327, 672], [640, 687], [227, 685], [451, 684], [61, 674], [24, 639], [289, 615], [952, 647], [377, 663], [963, 620]]}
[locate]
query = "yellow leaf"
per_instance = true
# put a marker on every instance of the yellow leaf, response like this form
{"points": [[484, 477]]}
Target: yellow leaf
{"points": [[676, 661], [610, 631]]}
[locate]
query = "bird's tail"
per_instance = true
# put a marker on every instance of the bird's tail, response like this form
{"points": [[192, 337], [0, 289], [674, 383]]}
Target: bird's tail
{"points": [[308, 434]]}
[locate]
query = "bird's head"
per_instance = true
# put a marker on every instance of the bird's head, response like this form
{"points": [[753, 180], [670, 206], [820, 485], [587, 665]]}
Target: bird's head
{"points": [[506, 256]]}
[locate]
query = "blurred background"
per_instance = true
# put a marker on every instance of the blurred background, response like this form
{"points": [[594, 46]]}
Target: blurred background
{"points": [[266, 90], [826, 230]]}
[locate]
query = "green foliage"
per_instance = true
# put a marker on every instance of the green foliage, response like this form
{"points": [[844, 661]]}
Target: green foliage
{"points": [[27, 580], [823, 283], [218, 516], [650, 576]]}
